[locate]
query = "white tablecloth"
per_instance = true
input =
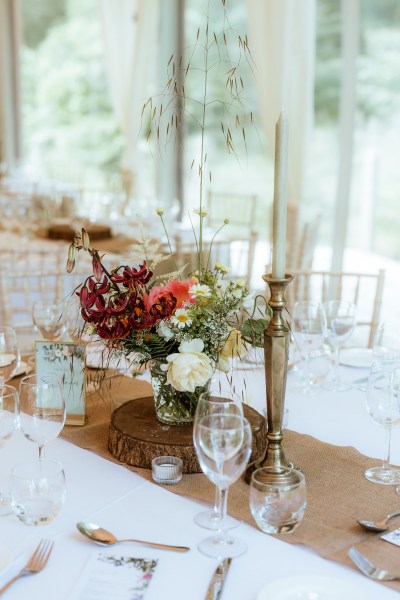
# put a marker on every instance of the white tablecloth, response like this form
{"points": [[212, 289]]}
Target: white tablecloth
{"points": [[121, 501]]}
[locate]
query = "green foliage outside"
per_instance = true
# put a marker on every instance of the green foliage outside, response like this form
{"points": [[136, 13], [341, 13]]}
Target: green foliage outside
{"points": [[68, 118]]}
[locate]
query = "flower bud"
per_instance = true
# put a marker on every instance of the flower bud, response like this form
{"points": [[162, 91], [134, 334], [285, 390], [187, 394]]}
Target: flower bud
{"points": [[70, 265], [85, 239]]}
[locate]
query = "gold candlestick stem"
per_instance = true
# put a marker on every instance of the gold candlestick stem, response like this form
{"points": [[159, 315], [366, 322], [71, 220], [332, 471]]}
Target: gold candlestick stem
{"points": [[276, 353]]}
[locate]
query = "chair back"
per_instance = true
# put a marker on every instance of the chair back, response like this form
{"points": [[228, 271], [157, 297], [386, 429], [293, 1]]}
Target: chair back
{"points": [[19, 290], [365, 290]]}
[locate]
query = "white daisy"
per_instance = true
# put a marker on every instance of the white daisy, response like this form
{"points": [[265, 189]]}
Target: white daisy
{"points": [[181, 318], [200, 291]]}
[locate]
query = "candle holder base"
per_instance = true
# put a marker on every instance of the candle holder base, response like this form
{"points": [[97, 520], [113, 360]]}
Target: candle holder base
{"points": [[276, 353]]}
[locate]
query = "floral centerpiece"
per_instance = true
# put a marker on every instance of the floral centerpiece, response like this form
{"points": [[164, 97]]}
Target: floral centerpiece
{"points": [[183, 329]]}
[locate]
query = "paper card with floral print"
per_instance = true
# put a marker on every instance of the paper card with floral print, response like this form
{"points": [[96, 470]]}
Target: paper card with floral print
{"points": [[66, 360], [109, 576]]}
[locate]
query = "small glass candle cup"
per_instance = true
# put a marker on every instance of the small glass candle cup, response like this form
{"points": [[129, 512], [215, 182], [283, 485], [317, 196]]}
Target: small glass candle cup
{"points": [[166, 469], [277, 501], [37, 491]]}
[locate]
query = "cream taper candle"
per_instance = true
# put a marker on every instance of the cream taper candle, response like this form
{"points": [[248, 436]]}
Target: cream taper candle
{"points": [[280, 200]]}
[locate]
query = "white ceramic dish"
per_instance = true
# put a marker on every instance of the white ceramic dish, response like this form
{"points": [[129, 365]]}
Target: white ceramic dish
{"points": [[356, 357], [99, 359], [311, 587], [20, 371]]}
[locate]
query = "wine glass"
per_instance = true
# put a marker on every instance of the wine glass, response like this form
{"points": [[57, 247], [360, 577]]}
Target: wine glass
{"points": [[9, 353], [8, 424], [383, 406], [386, 347], [49, 319], [223, 446], [42, 409], [223, 401], [340, 323], [308, 329]]}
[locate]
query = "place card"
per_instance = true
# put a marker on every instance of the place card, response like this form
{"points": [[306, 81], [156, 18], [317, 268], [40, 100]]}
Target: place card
{"points": [[66, 360], [393, 537], [109, 576]]}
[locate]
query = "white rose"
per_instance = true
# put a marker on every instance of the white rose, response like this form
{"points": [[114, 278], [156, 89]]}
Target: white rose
{"points": [[188, 369]]}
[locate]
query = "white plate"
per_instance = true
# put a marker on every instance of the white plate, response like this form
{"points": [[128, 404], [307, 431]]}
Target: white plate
{"points": [[20, 371], [311, 587], [99, 359], [356, 357], [5, 558]]}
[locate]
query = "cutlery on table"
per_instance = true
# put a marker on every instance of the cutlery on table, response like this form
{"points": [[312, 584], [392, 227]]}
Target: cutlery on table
{"points": [[35, 564], [368, 568], [378, 526], [218, 579], [106, 538]]}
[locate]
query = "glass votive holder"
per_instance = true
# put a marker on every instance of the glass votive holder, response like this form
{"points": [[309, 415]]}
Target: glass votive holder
{"points": [[37, 490], [277, 500], [166, 469]]}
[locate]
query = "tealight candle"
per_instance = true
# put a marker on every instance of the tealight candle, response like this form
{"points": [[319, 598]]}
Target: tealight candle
{"points": [[166, 469]]}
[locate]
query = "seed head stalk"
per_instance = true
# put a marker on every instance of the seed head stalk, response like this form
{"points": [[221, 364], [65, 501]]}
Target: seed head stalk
{"points": [[203, 125]]}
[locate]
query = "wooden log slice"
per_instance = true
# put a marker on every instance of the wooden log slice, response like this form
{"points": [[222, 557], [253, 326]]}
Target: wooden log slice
{"points": [[136, 436]]}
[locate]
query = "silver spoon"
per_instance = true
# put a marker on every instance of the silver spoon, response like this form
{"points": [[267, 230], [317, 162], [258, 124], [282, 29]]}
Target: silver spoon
{"points": [[378, 526], [106, 538]]}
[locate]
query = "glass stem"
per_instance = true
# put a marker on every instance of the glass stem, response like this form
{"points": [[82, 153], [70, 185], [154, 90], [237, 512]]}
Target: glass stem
{"points": [[217, 503], [386, 460], [41, 452], [222, 506]]}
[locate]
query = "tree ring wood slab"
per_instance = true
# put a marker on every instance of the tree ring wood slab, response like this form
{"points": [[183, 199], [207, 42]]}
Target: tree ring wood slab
{"points": [[136, 436]]}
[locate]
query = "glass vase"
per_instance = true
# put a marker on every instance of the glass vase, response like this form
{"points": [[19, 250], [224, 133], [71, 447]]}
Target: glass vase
{"points": [[173, 407]]}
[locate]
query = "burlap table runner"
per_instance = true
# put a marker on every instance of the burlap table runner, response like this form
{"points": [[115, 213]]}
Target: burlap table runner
{"points": [[337, 491]]}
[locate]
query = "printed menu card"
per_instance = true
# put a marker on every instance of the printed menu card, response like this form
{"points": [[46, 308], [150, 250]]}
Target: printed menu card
{"points": [[112, 577], [66, 360]]}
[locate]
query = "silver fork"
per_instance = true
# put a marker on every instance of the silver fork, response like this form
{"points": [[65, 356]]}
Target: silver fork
{"points": [[368, 568], [36, 563]]}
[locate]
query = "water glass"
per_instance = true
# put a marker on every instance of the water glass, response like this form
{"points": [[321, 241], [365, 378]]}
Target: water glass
{"points": [[277, 501], [49, 320], [308, 330], [37, 491], [383, 406], [220, 400], [341, 320], [42, 409], [8, 424]]}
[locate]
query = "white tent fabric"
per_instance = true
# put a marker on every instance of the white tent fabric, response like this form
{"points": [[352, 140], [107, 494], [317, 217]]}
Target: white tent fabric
{"points": [[282, 43], [129, 28]]}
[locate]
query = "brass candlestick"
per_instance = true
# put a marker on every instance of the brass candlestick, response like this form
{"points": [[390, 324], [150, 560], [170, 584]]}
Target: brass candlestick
{"points": [[276, 353]]}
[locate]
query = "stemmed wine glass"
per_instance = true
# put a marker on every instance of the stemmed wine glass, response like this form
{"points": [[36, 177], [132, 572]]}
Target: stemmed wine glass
{"points": [[308, 329], [49, 319], [340, 320], [223, 446], [386, 348], [383, 406], [8, 424], [224, 401], [9, 353], [42, 409]]}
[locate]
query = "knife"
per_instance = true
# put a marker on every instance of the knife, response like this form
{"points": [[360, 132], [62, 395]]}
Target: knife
{"points": [[218, 579]]}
